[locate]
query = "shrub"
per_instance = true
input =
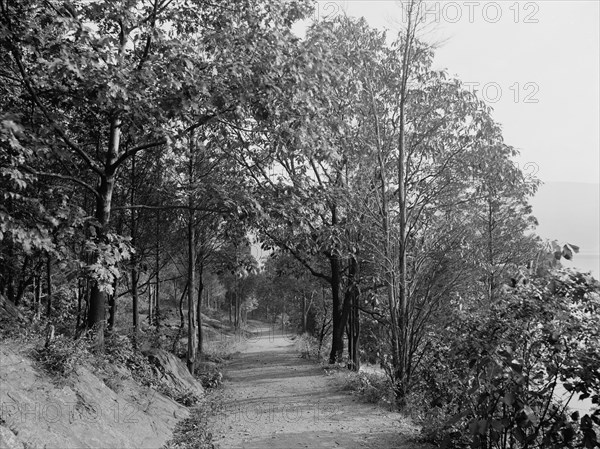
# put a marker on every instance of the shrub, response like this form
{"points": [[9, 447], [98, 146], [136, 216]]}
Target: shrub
{"points": [[63, 354], [308, 346], [211, 380], [490, 379], [373, 388]]}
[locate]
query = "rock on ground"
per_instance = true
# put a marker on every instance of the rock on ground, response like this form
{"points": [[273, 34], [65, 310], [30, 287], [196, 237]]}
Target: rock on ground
{"points": [[175, 371]]}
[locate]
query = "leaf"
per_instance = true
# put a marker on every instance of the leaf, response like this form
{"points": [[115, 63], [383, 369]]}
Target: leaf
{"points": [[497, 425], [574, 248], [531, 416], [520, 435], [456, 418], [516, 366], [482, 426], [509, 398]]}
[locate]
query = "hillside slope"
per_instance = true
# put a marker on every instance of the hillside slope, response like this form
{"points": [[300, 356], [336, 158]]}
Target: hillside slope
{"points": [[40, 411]]}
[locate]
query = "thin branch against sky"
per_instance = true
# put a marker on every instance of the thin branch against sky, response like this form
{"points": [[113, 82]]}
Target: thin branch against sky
{"points": [[536, 63]]}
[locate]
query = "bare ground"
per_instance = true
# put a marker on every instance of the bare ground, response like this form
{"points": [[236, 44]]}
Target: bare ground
{"points": [[275, 399]]}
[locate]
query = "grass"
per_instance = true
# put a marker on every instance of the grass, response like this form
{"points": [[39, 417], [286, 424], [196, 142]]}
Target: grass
{"points": [[373, 388]]}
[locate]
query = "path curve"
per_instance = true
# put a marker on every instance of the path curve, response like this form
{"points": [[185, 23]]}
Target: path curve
{"points": [[272, 398]]}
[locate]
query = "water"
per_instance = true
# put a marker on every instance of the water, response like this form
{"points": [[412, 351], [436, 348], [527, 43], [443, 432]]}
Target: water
{"points": [[584, 406], [584, 262]]}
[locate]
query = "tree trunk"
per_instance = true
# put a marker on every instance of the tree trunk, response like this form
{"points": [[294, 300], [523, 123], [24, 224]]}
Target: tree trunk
{"points": [[181, 314], [97, 303], [355, 336], [388, 263], [181, 317], [402, 369], [134, 271], [157, 268], [37, 292], [112, 302], [16, 298], [238, 302], [80, 293], [282, 315], [337, 341], [49, 285], [150, 304], [192, 342], [199, 308], [304, 313], [351, 297], [490, 235], [192, 345]]}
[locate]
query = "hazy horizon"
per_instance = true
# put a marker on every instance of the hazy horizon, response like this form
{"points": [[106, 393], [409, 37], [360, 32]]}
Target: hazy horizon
{"points": [[569, 211]]}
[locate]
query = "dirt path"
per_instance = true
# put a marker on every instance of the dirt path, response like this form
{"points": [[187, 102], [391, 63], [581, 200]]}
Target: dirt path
{"points": [[275, 399]]}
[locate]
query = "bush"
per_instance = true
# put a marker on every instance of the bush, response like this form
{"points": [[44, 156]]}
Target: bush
{"points": [[308, 346], [223, 349], [373, 388], [211, 380], [490, 379], [63, 354]]}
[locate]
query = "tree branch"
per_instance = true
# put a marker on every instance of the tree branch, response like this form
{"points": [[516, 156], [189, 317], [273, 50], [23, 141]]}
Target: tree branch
{"points": [[68, 178], [298, 258], [204, 120], [168, 207]]}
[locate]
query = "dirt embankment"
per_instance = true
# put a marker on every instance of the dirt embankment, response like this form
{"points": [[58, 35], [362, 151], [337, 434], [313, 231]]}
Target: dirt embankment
{"points": [[37, 411]]}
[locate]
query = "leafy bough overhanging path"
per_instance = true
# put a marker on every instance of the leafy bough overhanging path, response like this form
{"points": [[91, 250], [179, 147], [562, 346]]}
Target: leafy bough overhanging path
{"points": [[274, 399]]}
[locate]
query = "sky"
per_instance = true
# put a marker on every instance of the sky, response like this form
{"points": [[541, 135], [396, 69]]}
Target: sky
{"points": [[536, 63]]}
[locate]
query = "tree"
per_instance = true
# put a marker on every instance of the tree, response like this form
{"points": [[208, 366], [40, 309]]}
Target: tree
{"points": [[303, 183], [95, 75], [503, 217]]}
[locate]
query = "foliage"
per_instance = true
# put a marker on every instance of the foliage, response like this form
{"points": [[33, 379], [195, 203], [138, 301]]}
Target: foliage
{"points": [[63, 355], [371, 387], [23, 219], [192, 432], [111, 253], [493, 376], [308, 346], [385, 185], [211, 380]]}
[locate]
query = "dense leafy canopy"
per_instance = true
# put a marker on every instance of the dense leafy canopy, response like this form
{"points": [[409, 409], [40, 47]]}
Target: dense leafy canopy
{"points": [[143, 142]]}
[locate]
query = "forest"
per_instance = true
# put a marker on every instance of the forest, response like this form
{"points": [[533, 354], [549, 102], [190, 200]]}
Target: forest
{"points": [[148, 148]]}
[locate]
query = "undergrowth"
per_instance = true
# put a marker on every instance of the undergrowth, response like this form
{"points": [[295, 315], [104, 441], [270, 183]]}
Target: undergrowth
{"points": [[373, 388], [308, 346], [62, 355], [192, 432]]}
